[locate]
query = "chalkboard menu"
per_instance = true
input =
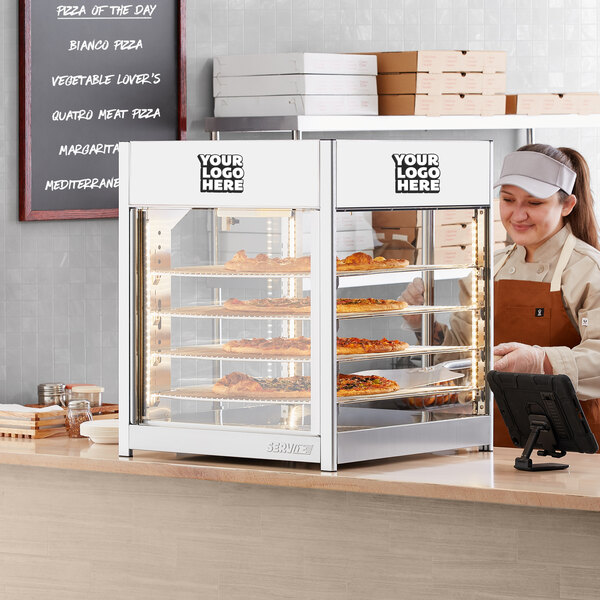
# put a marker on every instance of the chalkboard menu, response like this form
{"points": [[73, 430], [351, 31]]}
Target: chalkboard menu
{"points": [[93, 74]]}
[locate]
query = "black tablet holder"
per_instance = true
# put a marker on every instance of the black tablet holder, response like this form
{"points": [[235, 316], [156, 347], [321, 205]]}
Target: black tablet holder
{"points": [[541, 432]]}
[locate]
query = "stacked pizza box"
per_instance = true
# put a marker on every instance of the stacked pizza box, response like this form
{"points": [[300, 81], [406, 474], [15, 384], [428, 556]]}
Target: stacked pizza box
{"points": [[442, 82], [291, 84], [584, 103], [399, 235], [353, 233]]}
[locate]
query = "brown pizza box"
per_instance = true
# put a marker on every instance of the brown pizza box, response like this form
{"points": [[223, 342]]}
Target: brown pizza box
{"points": [[390, 219], [398, 250], [553, 104], [444, 104], [460, 255], [397, 237], [438, 61], [441, 83]]}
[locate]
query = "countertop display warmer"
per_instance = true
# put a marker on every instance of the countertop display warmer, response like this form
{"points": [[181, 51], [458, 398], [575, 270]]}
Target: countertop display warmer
{"points": [[263, 289]]}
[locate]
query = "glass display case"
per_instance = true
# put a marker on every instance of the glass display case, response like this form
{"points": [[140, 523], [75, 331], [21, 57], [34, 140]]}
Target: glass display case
{"points": [[313, 301]]}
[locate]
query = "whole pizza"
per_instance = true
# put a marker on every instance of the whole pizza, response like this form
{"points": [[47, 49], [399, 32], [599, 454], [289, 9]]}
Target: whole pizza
{"points": [[300, 346], [262, 263], [238, 384], [302, 305], [360, 261]]}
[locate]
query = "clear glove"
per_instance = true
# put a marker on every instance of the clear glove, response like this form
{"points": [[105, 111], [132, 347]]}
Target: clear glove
{"points": [[413, 295], [519, 358]]}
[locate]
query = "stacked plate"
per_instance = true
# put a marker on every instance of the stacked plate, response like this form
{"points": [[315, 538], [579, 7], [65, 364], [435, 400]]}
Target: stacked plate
{"points": [[105, 431]]}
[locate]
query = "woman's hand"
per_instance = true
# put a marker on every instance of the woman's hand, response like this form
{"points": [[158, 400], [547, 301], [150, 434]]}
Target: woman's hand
{"points": [[413, 295], [519, 358]]}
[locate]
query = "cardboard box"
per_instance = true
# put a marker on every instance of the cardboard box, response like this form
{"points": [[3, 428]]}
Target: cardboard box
{"points": [[390, 219], [441, 83], [438, 61], [294, 62], [459, 234], [553, 104], [353, 220], [270, 106], [446, 104], [399, 250], [397, 237], [291, 85]]}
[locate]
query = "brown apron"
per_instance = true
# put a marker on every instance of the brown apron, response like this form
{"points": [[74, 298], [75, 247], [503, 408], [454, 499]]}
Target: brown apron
{"points": [[533, 313]]}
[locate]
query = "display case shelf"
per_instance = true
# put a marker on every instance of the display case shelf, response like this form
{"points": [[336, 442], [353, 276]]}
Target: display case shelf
{"points": [[215, 352], [216, 312]]}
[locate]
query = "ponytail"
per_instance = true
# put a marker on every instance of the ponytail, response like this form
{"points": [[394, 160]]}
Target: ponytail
{"points": [[582, 218]]}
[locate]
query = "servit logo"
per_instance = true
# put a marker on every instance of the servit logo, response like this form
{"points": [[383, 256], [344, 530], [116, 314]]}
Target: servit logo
{"points": [[417, 173], [222, 173]]}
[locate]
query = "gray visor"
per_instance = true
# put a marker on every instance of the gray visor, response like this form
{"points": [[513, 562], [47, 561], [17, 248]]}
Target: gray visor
{"points": [[536, 173]]}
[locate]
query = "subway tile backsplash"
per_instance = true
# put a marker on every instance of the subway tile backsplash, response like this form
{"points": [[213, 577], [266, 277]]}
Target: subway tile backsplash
{"points": [[58, 281]]}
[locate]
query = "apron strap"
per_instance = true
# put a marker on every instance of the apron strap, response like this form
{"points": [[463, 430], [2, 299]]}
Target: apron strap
{"points": [[563, 259], [501, 263]]}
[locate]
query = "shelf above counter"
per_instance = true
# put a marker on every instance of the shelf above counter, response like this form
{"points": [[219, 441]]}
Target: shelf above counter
{"points": [[341, 123]]}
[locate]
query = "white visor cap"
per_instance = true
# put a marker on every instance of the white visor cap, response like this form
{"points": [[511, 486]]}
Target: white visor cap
{"points": [[538, 174]]}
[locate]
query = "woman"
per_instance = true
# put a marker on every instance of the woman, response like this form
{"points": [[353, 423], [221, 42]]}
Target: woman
{"points": [[547, 284]]}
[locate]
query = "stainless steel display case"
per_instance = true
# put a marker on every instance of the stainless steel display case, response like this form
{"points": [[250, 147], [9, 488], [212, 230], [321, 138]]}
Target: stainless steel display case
{"points": [[186, 208]]}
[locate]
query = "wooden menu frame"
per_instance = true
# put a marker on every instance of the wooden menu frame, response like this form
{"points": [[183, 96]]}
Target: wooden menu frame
{"points": [[27, 204]]}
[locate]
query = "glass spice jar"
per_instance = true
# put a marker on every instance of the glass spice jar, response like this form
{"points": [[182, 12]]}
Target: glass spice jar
{"points": [[77, 413]]}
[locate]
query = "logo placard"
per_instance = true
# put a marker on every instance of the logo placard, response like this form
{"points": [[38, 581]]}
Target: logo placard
{"points": [[417, 173], [221, 173]]}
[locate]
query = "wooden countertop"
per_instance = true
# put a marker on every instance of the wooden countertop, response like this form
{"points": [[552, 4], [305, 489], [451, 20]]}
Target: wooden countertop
{"points": [[464, 475]]}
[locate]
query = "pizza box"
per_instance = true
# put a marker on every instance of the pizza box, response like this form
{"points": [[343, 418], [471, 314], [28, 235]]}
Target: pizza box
{"points": [[443, 104], [553, 104], [293, 63], [353, 220], [459, 255], [266, 106], [397, 237], [398, 250], [441, 83], [290, 85], [389, 219], [438, 61], [459, 234], [351, 241]]}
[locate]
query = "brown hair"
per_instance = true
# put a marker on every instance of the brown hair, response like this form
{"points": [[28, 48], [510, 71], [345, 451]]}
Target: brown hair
{"points": [[582, 218]]}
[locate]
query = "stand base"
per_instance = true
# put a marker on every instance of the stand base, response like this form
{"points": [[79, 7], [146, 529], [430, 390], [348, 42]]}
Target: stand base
{"points": [[527, 465]]}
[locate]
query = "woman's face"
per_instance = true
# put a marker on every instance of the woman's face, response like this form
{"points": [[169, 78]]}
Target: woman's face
{"points": [[531, 221]]}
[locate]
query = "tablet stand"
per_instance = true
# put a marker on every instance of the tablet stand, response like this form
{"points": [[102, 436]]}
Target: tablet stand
{"points": [[540, 430]]}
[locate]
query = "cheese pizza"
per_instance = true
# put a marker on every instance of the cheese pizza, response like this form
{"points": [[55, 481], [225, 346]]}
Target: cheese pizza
{"points": [[302, 305], [360, 261], [238, 384], [300, 346]]}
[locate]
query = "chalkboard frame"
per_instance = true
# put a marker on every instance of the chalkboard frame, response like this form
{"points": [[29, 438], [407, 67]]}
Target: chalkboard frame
{"points": [[25, 186]]}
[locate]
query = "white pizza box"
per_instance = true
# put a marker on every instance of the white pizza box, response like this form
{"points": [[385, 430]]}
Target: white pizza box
{"points": [[286, 106], [353, 220], [458, 255], [345, 241], [289, 85], [294, 62], [459, 234]]}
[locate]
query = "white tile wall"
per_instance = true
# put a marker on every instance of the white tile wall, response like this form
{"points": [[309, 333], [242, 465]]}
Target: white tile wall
{"points": [[58, 281]]}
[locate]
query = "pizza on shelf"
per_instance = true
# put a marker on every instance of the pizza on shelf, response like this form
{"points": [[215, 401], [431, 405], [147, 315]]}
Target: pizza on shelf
{"points": [[242, 385], [262, 263], [269, 305], [353, 305], [360, 261], [302, 305], [365, 346], [432, 400], [300, 346]]}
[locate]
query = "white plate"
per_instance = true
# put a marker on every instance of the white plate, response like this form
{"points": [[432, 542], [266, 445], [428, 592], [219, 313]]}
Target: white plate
{"points": [[105, 431]]}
